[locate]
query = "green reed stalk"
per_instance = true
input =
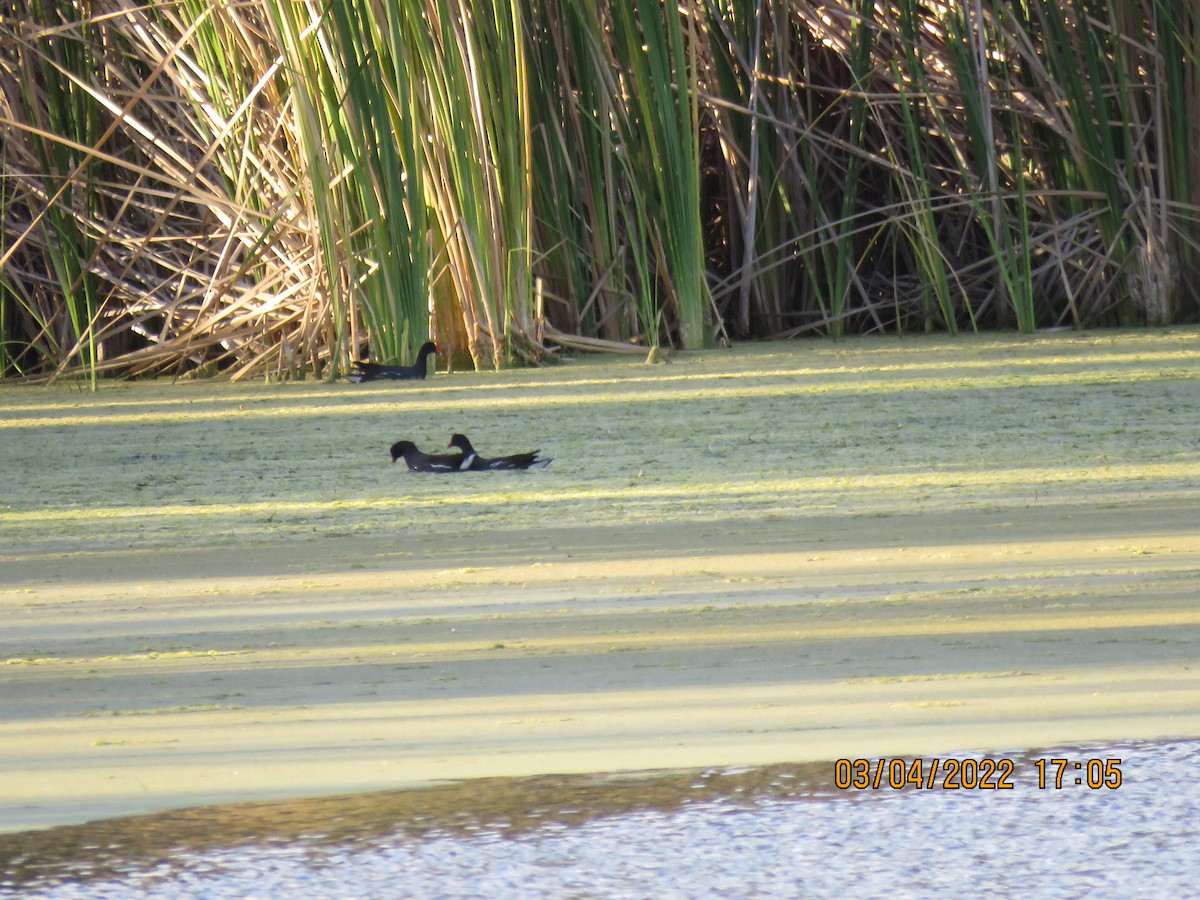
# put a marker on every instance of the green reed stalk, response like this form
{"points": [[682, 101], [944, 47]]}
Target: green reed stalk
{"points": [[52, 93], [918, 223], [663, 141], [379, 135], [992, 152], [560, 179], [1094, 146], [830, 243], [356, 96], [317, 84], [1177, 113], [592, 229], [757, 115], [478, 161], [11, 307]]}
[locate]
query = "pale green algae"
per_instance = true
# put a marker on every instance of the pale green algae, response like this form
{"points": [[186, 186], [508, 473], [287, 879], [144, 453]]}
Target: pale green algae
{"points": [[864, 426]]}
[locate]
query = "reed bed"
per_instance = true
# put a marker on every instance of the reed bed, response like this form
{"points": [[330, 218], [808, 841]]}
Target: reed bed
{"points": [[271, 188]]}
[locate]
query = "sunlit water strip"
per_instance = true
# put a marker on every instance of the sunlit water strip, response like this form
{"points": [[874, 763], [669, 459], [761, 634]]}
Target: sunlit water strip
{"points": [[1139, 840]]}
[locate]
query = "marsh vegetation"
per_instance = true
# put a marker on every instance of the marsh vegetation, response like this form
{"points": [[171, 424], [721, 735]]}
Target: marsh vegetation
{"points": [[280, 186]]}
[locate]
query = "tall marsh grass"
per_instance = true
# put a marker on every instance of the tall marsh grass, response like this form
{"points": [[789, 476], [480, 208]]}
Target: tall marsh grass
{"points": [[276, 187]]}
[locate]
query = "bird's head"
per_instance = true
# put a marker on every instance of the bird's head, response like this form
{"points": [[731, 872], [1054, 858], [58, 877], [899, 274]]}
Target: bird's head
{"points": [[400, 448]]}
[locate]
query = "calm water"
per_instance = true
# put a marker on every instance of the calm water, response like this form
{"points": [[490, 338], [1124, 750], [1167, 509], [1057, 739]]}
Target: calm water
{"points": [[783, 831]]}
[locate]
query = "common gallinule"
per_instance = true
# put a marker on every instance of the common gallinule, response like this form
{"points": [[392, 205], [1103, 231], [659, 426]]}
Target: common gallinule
{"points": [[368, 371], [476, 463], [426, 462]]}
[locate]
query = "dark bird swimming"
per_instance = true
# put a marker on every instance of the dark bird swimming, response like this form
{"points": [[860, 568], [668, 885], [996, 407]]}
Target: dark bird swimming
{"points": [[369, 371], [474, 462]]}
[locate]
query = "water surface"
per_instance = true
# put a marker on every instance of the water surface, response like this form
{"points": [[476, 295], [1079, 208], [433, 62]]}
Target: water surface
{"points": [[779, 831]]}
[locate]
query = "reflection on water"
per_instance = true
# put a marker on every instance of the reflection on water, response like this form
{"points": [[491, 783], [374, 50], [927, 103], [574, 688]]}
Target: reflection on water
{"points": [[780, 831]]}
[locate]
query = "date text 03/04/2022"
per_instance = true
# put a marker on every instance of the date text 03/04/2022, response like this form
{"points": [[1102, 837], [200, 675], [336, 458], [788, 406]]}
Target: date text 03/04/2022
{"points": [[986, 774]]}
